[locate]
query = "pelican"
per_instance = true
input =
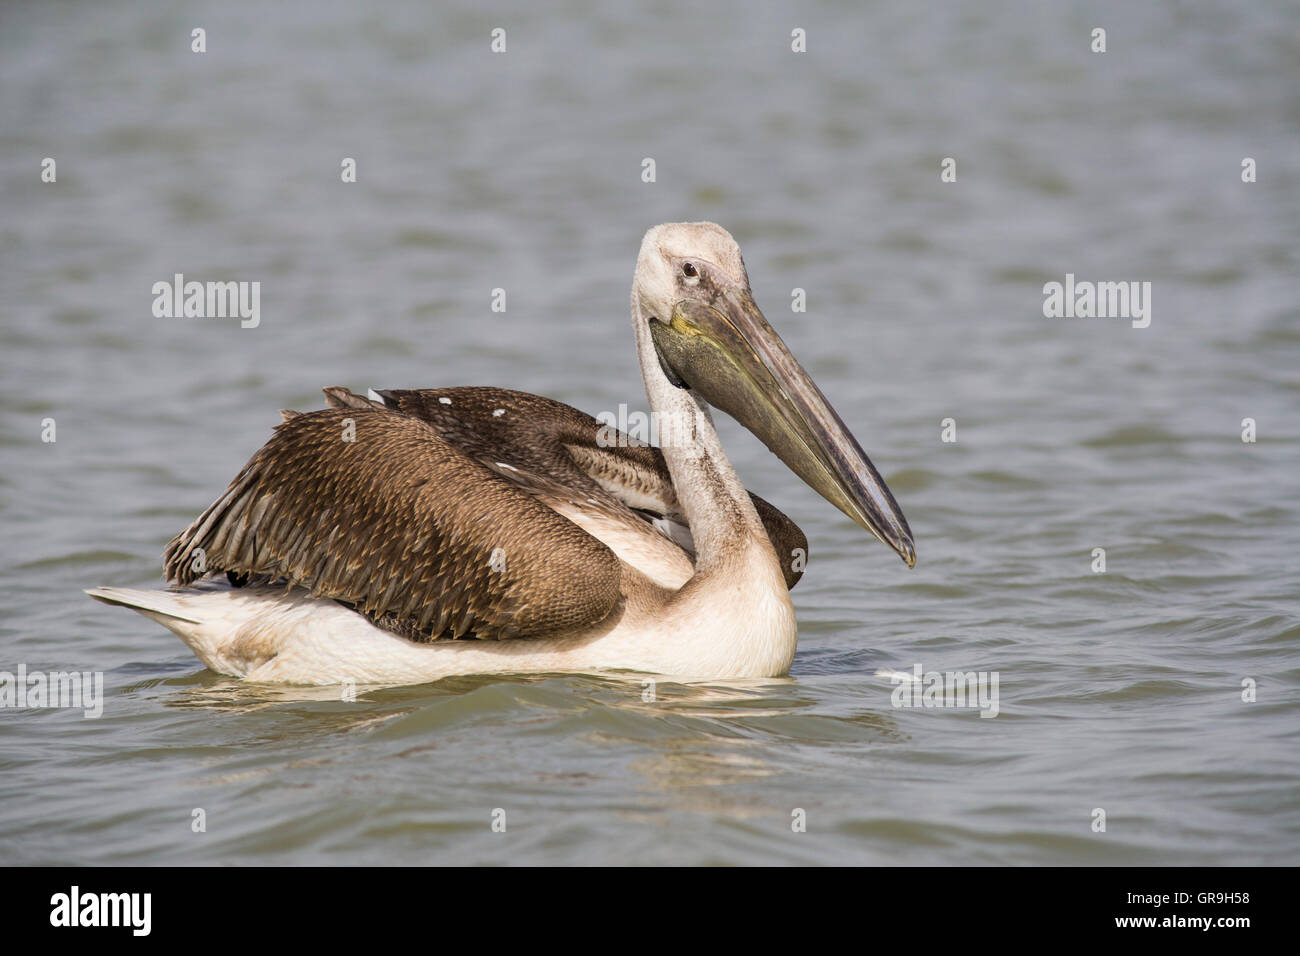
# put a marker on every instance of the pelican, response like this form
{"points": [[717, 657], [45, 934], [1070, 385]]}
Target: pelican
{"points": [[409, 535]]}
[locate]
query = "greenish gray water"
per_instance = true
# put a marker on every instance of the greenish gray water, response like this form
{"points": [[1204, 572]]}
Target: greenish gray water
{"points": [[522, 170]]}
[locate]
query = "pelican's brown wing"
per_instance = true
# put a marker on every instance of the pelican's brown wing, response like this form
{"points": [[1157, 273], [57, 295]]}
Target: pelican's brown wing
{"points": [[372, 507], [539, 436]]}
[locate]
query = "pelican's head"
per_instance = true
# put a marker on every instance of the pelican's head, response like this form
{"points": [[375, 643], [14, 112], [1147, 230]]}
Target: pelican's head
{"points": [[692, 290]]}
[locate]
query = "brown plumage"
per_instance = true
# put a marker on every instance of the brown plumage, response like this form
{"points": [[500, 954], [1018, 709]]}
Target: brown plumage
{"points": [[434, 519]]}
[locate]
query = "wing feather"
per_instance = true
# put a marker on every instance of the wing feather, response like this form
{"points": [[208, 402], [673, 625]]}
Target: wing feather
{"points": [[404, 526], [536, 436]]}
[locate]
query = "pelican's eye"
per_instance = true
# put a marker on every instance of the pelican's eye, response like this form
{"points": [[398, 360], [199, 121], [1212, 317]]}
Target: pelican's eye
{"points": [[689, 270]]}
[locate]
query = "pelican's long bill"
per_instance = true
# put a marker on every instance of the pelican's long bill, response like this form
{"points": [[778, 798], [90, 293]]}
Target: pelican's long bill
{"points": [[730, 355]]}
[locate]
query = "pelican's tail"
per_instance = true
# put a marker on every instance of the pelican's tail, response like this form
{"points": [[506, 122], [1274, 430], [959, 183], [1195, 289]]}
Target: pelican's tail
{"points": [[266, 634], [187, 614], [168, 608]]}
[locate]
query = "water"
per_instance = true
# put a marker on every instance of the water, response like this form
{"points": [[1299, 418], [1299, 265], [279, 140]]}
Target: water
{"points": [[1120, 691]]}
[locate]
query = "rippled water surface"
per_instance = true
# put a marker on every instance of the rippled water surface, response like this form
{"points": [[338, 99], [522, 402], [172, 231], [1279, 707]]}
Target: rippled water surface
{"points": [[1119, 690]]}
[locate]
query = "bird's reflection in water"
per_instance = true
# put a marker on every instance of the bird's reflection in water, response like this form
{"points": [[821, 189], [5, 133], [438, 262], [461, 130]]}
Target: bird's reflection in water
{"points": [[726, 740], [692, 746], [649, 693]]}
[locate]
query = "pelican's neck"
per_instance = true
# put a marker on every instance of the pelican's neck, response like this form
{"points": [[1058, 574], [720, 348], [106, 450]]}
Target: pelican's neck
{"points": [[719, 511]]}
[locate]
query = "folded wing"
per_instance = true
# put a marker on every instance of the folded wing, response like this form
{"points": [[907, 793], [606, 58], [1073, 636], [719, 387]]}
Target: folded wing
{"points": [[371, 507], [534, 436]]}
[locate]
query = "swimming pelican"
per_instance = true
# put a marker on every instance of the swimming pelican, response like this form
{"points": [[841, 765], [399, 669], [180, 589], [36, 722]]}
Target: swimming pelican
{"points": [[406, 536]]}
